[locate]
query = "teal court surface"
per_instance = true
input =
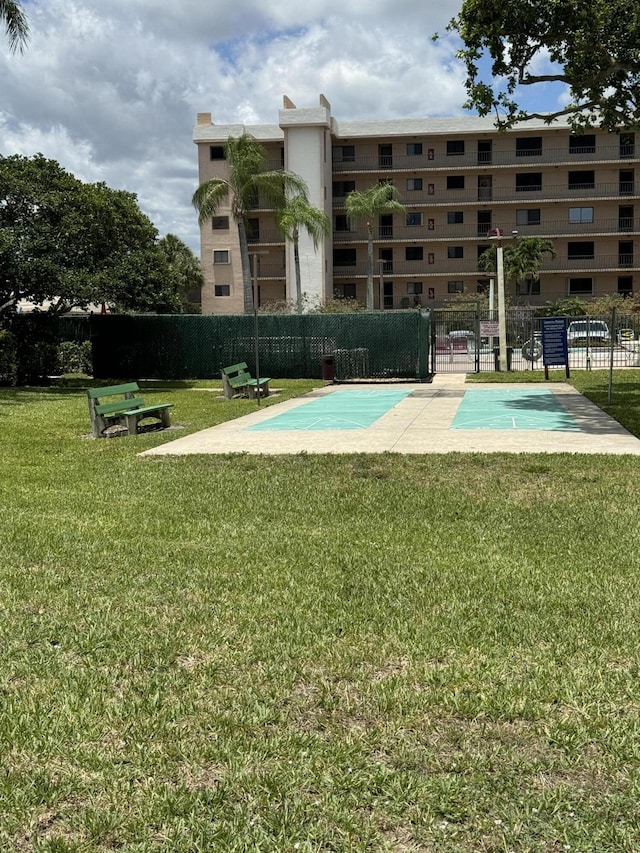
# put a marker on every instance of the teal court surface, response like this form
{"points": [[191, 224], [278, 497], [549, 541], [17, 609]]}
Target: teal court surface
{"points": [[444, 416]]}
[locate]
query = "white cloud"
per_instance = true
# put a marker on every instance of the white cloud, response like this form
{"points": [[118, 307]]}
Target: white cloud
{"points": [[111, 90]]}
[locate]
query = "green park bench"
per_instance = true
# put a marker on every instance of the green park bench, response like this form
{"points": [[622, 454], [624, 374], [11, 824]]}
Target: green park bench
{"points": [[127, 411], [236, 380]]}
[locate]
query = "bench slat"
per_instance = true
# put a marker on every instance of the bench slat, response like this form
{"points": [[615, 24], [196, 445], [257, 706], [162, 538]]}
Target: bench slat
{"points": [[119, 405], [110, 390]]}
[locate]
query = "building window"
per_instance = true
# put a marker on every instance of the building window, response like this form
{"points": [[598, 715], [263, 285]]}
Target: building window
{"points": [[341, 222], [414, 149], [220, 223], [455, 217], [580, 251], [344, 153], [455, 251], [342, 188], [216, 152], [483, 222], [625, 285], [625, 217], [344, 291], [584, 143], [580, 286], [414, 287], [414, 184], [528, 146], [385, 225], [484, 150], [455, 287], [582, 180], [627, 182], [414, 253], [528, 216], [414, 219], [625, 253], [528, 287], [455, 182], [627, 144], [528, 182], [455, 147], [580, 214], [221, 256], [344, 257], [253, 230], [222, 290]]}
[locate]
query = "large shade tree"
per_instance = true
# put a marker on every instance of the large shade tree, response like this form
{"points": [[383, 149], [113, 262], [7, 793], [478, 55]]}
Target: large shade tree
{"points": [[15, 24], [66, 244], [379, 200], [593, 45], [248, 181], [296, 214]]}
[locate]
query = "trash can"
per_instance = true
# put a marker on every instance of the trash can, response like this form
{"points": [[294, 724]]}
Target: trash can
{"points": [[328, 368], [496, 357]]}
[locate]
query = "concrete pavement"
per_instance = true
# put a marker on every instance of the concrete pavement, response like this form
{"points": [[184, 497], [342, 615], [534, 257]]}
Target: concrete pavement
{"points": [[418, 424]]}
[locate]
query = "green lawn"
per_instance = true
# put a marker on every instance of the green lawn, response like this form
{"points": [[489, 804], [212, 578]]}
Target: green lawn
{"points": [[313, 653]]}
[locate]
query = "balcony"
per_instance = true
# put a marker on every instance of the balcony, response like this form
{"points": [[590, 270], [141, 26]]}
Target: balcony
{"points": [[441, 265], [431, 160], [442, 231], [440, 195]]}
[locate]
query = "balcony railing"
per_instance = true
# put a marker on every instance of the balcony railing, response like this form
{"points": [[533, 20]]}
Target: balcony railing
{"points": [[439, 195], [443, 231], [431, 160], [440, 265], [266, 236]]}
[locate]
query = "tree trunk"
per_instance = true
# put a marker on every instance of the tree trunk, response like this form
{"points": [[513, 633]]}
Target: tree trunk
{"points": [[369, 305], [296, 259], [247, 284]]}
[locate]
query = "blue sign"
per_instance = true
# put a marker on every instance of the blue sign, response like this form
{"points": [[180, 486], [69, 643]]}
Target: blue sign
{"points": [[554, 342]]}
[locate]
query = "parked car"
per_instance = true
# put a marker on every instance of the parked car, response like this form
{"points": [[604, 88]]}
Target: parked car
{"points": [[595, 332]]}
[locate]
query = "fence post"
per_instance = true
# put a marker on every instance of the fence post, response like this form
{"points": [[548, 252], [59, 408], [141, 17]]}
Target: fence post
{"points": [[611, 348]]}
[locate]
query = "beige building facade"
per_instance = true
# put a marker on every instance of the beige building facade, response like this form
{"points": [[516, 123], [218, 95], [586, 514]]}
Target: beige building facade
{"points": [[459, 178]]}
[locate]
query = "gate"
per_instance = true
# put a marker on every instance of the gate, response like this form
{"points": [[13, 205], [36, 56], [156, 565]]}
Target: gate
{"points": [[457, 345]]}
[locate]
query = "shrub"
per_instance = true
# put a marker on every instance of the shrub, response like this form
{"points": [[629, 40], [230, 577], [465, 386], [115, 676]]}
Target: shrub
{"points": [[8, 358], [74, 357]]}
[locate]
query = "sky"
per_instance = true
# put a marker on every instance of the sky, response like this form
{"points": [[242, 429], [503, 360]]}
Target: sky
{"points": [[111, 88]]}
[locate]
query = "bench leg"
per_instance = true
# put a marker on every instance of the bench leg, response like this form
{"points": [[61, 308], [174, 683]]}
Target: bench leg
{"points": [[165, 418], [132, 424]]}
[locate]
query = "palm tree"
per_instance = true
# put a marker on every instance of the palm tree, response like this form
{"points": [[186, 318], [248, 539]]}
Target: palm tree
{"points": [[16, 24], [377, 201], [248, 180], [296, 214], [522, 259]]}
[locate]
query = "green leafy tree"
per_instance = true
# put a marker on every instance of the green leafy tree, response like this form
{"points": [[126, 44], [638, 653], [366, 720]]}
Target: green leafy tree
{"points": [[248, 181], [71, 244], [186, 267], [297, 214], [523, 259], [594, 45], [15, 24], [379, 200]]}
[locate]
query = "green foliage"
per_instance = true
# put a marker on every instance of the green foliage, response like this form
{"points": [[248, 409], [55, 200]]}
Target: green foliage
{"points": [[74, 357], [338, 306], [8, 358], [74, 243], [571, 306], [186, 269], [15, 23], [593, 43], [522, 259]]}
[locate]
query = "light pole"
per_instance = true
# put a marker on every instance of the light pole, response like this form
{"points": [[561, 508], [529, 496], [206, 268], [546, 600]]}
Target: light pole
{"points": [[254, 276], [496, 234]]}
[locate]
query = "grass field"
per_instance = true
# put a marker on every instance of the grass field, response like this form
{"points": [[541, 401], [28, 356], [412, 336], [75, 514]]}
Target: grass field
{"points": [[313, 653]]}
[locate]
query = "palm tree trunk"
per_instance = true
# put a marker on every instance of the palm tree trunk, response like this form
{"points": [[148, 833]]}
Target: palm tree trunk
{"points": [[247, 284], [296, 259], [370, 268]]}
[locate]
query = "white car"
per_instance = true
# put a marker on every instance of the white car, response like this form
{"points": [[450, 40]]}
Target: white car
{"points": [[596, 332]]}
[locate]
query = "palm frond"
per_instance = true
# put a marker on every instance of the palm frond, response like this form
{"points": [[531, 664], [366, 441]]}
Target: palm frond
{"points": [[208, 197], [16, 25]]}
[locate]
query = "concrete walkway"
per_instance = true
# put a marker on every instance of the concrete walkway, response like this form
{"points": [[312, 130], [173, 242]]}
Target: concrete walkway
{"points": [[418, 424]]}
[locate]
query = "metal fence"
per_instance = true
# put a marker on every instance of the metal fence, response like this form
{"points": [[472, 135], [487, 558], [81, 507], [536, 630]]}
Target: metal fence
{"points": [[463, 342], [375, 345]]}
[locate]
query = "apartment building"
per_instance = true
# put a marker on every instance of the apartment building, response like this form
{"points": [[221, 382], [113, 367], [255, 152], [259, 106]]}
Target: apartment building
{"points": [[458, 178]]}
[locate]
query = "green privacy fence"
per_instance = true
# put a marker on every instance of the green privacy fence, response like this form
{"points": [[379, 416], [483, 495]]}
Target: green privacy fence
{"points": [[392, 344]]}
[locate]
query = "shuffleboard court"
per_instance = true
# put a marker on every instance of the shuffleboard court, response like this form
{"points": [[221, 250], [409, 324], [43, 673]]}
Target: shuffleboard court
{"points": [[513, 409], [340, 410]]}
